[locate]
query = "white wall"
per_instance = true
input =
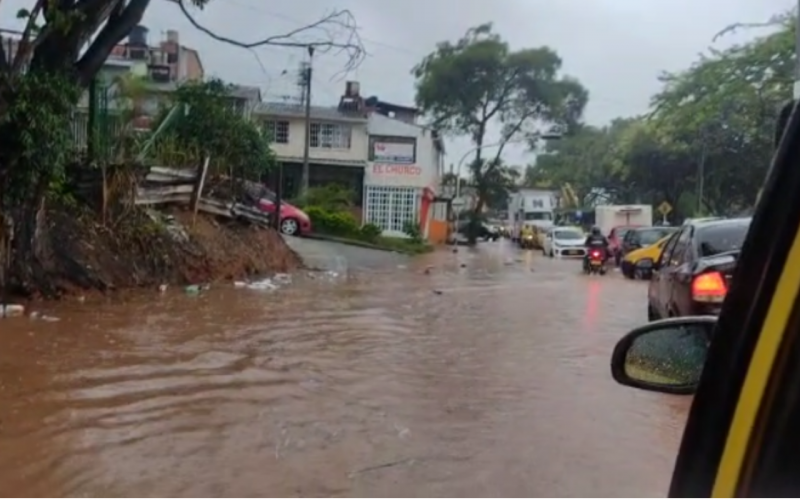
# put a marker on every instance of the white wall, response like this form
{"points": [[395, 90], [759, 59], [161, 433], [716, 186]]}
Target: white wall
{"points": [[423, 173], [294, 149]]}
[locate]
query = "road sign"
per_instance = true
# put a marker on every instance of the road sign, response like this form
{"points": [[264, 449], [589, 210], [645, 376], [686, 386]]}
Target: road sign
{"points": [[664, 209], [458, 203]]}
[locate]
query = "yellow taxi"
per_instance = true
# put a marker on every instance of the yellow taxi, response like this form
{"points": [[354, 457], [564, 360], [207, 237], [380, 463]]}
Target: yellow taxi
{"points": [[639, 263], [742, 437]]}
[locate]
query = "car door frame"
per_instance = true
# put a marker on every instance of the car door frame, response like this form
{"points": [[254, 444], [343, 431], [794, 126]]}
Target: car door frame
{"points": [[680, 277], [657, 276], [727, 431]]}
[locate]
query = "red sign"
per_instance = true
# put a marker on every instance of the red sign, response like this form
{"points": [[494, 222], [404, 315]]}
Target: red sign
{"points": [[386, 169]]}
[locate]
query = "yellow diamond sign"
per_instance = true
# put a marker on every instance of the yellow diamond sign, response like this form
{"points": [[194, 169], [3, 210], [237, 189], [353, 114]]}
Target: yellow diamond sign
{"points": [[664, 208]]}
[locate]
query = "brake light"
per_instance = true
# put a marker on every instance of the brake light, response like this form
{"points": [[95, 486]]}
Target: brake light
{"points": [[709, 287], [595, 253]]}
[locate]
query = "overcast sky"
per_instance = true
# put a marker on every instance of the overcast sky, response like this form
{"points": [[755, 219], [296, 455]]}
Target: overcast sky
{"points": [[616, 48]]}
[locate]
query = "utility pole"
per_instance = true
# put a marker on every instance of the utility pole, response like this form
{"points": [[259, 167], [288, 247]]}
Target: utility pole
{"points": [[307, 74]]}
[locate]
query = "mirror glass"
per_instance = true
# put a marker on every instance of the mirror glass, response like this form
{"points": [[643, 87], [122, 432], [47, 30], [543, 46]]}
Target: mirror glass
{"points": [[669, 355]]}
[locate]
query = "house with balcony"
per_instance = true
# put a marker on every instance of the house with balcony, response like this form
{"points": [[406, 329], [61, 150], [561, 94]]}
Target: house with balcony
{"points": [[370, 146], [337, 145]]}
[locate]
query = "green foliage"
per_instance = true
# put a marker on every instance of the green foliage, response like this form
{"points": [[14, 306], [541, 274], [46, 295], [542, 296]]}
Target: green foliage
{"points": [[413, 231], [330, 197], [371, 232], [716, 118], [521, 91], [36, 141], [213, 127], [335, 223]]}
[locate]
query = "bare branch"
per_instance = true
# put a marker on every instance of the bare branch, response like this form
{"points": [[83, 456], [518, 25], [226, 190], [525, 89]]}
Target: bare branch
{"points": [[773, 21], [25, 47], [336, 25]]}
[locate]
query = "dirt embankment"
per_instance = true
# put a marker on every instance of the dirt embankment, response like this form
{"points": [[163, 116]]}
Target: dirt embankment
{"points": [[145, 248]]}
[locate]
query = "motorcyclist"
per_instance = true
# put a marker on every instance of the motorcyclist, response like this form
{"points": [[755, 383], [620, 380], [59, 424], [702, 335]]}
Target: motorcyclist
{"points": [[595, 240]]}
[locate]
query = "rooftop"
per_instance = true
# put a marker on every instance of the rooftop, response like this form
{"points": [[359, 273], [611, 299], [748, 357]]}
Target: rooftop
{"points": [[298, 111]]}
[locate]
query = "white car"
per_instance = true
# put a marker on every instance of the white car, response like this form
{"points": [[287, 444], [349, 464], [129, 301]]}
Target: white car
{"points": [[564, 242]]}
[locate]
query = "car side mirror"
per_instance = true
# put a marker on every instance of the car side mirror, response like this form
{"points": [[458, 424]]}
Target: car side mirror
{"points": [[664, 356]]}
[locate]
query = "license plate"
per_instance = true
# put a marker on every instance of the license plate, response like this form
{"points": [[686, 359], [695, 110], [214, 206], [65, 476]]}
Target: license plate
{"points": [[570, 252], [596, 262]]}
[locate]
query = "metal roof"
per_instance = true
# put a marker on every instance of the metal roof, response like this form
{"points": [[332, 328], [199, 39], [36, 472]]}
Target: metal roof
{"points": [[298, 111]]}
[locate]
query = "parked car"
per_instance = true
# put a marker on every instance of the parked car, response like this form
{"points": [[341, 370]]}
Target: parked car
{"points": [[485, 231], [294, 222], [640, 237], [694, 271], [615, 237], [639, 263], [564, 242]]}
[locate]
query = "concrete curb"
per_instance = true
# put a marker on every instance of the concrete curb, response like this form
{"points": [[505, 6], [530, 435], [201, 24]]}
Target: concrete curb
{"points": [[355, 243]]}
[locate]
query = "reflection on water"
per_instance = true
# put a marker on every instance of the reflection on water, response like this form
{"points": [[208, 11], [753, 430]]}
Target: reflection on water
{"points": [[371, 385]]}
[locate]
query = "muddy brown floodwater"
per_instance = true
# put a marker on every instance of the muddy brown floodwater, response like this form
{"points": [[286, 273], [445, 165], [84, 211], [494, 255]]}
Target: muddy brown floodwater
{"points": [[371, 386]]}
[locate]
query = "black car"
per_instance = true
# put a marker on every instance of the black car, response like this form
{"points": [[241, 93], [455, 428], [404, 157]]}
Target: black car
{"points": [[694, 271], [485, 232], [640, 237]]}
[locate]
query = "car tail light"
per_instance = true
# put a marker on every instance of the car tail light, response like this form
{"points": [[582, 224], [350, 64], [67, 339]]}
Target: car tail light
{"points": [[709, 287]]}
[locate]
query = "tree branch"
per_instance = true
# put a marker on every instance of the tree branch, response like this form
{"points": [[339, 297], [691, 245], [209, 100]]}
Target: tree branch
{"points": [[24, 46], [111, 34], [330, 25]]}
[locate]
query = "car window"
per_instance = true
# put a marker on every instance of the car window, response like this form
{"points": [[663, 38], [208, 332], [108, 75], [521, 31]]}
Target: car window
{"points": [[647, 237], [568, 234], [682, 250], [666, 255], [621, 232], [721, 238]]}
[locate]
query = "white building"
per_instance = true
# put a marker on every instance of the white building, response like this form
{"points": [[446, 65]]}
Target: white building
{"points": [[404, 166]]}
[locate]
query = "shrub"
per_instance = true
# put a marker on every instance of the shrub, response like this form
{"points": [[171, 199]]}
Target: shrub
{"points": [[413, 231], [335, 223], [331, 197], [371, 232]]}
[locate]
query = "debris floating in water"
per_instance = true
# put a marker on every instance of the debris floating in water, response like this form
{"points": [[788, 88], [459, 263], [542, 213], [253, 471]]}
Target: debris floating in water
{"points": [[8, 310]]}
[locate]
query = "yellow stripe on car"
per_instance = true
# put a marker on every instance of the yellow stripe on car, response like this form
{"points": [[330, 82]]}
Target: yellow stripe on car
{"points": [[758, 373]]}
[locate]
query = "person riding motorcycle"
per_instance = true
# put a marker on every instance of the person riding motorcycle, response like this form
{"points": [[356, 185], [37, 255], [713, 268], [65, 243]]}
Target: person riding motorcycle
{"points": [[595, 240]]}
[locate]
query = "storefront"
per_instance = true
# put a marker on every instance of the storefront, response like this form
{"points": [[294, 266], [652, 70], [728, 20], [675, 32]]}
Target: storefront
{"points": [[396, 185]]}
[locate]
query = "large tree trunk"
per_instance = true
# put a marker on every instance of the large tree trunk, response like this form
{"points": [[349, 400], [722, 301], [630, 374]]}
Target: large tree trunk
{"points": [[27, 273]]}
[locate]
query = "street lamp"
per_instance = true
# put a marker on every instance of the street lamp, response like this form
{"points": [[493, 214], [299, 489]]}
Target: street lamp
{"points": [[548, 136]]}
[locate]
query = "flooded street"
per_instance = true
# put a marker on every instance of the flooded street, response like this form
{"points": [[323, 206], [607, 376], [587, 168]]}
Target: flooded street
{"points": [[487, 377]]}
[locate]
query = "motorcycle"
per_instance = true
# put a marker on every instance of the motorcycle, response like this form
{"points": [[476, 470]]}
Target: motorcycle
{"points": [[596, 262]]}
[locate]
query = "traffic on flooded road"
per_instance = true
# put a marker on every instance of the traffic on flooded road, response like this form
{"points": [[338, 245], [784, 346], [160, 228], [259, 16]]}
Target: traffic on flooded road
{"points": [[482, 372]]}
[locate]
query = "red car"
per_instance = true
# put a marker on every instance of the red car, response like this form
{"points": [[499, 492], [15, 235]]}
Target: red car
{"points": [[294, 221], [615, 241]]}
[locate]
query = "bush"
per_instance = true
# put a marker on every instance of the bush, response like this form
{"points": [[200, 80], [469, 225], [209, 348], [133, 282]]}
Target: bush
{"points": [[335, 223], [371, 232], [332, 198], [413, 231]]}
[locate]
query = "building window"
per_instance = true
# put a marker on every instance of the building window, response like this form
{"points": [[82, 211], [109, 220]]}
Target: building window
{"points": [[390, 208], [277, 131], [330, 135]]}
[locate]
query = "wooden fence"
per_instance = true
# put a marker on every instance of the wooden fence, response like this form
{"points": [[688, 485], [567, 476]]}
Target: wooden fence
{"points": [[156, 186]]}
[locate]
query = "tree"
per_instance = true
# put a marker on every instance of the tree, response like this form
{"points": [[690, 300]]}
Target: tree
{"points": [[62, 47], [213, 128], [467, 86], [704, 147]]}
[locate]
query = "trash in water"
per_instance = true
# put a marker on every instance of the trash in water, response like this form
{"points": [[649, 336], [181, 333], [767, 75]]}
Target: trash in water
{"points": [[8, 310], [463, 265], [240, 284], [43, 317], [162, 288], [205, 287], [192, 289], [438, 292], [265, 285], [401, 266], [282, 278]]}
